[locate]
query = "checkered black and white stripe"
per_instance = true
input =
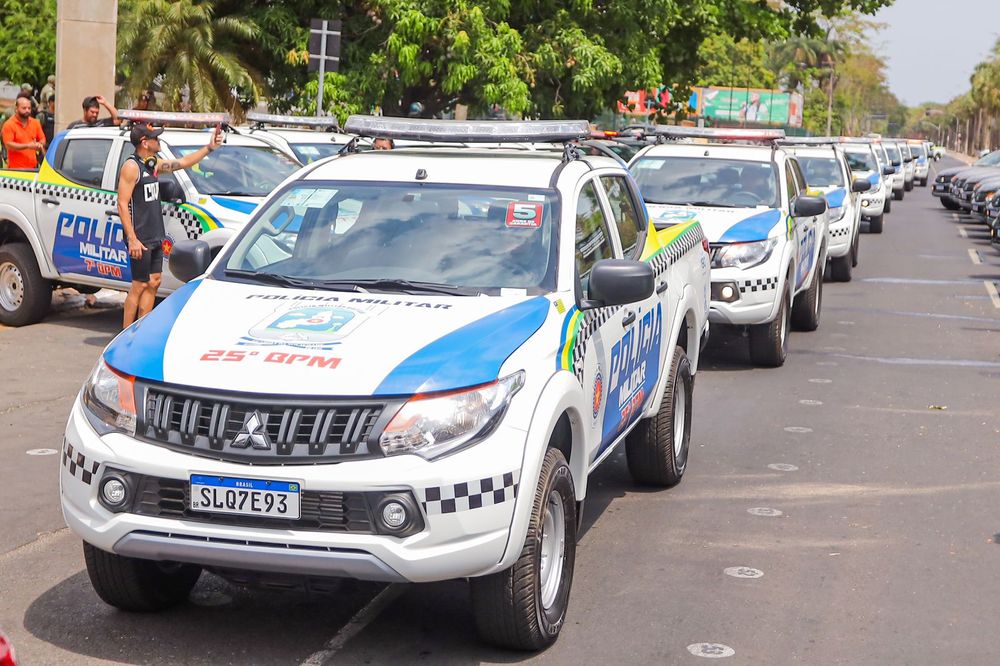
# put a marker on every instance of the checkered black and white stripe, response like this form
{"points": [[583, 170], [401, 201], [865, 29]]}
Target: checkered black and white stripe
{"points": [[78, 463], [470, 495], [760, 284], [835, 233], [190, 223]]}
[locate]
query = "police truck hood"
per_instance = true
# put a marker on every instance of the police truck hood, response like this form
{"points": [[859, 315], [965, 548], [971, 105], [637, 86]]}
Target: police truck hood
{"points": [[722, 225], [258, 339]]}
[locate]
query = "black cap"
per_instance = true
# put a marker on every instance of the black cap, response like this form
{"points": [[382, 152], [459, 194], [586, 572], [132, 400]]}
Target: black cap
{"points": [[142, 131]]}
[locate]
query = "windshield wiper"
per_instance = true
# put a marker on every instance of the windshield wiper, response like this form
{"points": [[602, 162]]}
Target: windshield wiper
{"points": [[665, 203], [234, 193], [713, 204], [405, 286], [287, 280]]}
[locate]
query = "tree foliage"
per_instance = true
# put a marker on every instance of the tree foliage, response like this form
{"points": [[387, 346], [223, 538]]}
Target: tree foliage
{"points": [[28, 35]]}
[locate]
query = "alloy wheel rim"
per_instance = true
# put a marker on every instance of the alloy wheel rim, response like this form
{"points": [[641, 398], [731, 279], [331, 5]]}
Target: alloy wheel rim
{"points": [[680, 416], [11, 286], [553, 549]]}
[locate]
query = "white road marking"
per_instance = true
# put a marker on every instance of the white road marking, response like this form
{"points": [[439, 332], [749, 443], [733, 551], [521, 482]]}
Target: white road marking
{"points": [[355, 625], [41, 452], [833, 349], [711, 650], [765, 511], [827, 363], [743, 572], [799, 429], [991, 289], [846, 323], [818, 380], [811, 403], [783, 467], [962, 232], [974, 256]]}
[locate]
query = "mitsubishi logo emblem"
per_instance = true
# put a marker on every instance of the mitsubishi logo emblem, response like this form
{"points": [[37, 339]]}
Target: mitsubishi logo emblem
{"points": [[253, 433]]}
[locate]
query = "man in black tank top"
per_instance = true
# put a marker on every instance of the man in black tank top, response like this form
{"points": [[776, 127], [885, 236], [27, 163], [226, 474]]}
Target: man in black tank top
{"points": [[141, 216]]}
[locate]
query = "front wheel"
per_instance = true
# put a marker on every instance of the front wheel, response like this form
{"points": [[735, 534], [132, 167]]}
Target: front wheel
{"points": [[657, 448], [769, 342], [856, 249], [923, 182], [949, 203], [524, 607], [887, 208], [138, 585], [898, 194], [25, 296], [875, 224], [807, 306], [908, 187], [840, 268]]}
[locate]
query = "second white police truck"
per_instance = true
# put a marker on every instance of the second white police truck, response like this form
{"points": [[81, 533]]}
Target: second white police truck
{"points": [[767, 233], [403, 369]]}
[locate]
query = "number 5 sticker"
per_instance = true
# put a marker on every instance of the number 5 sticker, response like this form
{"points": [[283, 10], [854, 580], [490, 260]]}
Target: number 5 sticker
{"points": [[524, 214]]}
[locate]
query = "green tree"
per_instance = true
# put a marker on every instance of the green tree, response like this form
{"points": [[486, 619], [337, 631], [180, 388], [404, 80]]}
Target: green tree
{"points": [[28, 35], [727, 62], [191, 50]]}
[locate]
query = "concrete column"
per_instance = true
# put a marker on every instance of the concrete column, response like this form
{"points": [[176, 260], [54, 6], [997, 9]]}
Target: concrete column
{"points": [[86, 33]]}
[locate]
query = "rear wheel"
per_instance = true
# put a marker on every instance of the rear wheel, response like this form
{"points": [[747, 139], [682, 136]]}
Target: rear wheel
{"points": [[808, 305], [524, 607], [138, 585], [949, 203], [769, 342], [657, 448], [25, 296], [875, 224], [840, 268]]}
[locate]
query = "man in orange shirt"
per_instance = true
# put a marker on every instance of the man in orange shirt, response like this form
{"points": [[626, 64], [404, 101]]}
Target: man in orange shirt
{"points": [[23, 136]]}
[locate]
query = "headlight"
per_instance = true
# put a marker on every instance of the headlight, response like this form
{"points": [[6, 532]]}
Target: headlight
{"points": [[837, 214], [434, 425], [109, 399], [744, 255]]}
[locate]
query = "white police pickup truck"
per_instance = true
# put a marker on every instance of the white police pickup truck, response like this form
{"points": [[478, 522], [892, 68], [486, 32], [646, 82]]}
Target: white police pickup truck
{"points": [[306, 138], [403, 369], [59, 224], [825, 168], [863, 157], [768, 235]]}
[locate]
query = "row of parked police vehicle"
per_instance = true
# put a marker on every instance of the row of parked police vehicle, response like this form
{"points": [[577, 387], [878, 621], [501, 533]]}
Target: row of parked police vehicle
{"points": [[973, 189], [403, 365]]}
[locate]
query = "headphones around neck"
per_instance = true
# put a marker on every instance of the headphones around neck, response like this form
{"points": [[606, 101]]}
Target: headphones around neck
{"points": [[150, 162]]}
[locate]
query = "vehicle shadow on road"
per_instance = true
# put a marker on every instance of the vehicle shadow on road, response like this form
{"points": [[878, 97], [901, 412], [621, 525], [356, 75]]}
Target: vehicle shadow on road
{"points": [[221, 623], [728, 349]]}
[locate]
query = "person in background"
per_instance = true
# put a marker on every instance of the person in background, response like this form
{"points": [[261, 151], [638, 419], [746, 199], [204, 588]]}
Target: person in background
{"points": [[23, 136], [29, 91], [91, 111], [383, 144], [146, 101], [48, 90], [47, 118]]}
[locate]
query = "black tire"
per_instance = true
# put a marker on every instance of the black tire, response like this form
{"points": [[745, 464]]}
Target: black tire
{"points": [[508, 606], [808, 305], [898, 194], [86, 288], [856, 249], [654, 455], [923, 182], [875, 224], [136, 585], [769, 342], [887, 208], [840, 268], [25, 296], [908, 187], [950, 203]]}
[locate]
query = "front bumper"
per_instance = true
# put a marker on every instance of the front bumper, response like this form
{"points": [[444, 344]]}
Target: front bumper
{"points": [[757, 292], [466, 501], [872, 206], [941, 190], [840, 236]]}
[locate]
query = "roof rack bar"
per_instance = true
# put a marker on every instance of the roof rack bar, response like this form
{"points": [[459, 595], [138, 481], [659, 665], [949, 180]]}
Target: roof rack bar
{"points": [[468, 131], [261, 119], [719, 134], [170, 118], [809, 141]]}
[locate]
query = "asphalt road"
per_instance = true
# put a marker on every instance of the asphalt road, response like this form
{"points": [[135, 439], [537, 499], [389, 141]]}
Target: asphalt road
{"points": [[874, 540]]}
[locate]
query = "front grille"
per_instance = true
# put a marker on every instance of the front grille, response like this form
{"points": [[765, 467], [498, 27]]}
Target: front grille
{"points": [[320, 511], [256, 429]]}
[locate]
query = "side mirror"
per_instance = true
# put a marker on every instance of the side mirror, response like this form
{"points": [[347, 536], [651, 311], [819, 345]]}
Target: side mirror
{"points": [[888, 170], [861, 185], [907, 159], [806, 206], [619, 282], [171, 192], [896, 163], [189, 259]]}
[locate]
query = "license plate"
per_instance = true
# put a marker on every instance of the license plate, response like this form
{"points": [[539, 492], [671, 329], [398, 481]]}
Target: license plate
{"points": [[245, 497]]}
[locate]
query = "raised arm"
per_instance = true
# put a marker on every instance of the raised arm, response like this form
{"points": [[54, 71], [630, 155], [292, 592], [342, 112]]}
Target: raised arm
{"points": [[191, 159], [111, 109]]}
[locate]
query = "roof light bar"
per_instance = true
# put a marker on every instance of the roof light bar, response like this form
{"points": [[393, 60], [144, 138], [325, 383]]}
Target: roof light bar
{"points": [[719, 134], [279, 119], [174, 118], [810, 140], [468, 131]]}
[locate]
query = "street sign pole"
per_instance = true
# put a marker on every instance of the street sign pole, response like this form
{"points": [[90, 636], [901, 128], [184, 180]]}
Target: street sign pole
{"points": [[324, 49], [322, 70]]}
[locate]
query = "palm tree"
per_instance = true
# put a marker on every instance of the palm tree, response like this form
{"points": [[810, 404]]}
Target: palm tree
{"points": [[190, 51]]}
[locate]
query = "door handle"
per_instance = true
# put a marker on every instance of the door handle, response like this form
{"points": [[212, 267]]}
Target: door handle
{"points": [[111, 212], [662, 287], [629, 318], [49, 200]]}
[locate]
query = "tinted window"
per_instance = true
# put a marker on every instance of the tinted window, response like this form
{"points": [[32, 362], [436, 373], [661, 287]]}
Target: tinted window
{"points": [[593, 241], [918, 151], [860, 160], [239, 170], [704, 181], [793, 189], [892, 152], [84, 159], [623, 211], [821, 171]]}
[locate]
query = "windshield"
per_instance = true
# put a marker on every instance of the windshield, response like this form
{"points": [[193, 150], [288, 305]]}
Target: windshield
{"points": [[993, 159], [337, 235], [702, 181], [917, 150], [861, 160], [310, 152], [252, 171], [904, 150], [821, 172], [892, 152]]}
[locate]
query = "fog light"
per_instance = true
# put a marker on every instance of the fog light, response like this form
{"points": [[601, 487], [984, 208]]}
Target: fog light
{"points": [[394, 515], [113, 491], [865, 203], [727, 292]]}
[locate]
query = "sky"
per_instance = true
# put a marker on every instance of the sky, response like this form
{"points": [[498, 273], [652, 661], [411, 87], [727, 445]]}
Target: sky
{"points": [[932, 46]]}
